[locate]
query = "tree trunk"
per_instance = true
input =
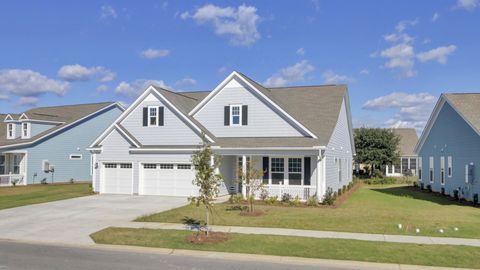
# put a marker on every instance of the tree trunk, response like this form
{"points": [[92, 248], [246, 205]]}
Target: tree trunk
{"points": [[206, 220]]}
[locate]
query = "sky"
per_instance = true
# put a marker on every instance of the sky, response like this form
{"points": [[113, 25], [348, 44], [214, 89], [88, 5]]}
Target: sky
{"points": [[396, 57]]}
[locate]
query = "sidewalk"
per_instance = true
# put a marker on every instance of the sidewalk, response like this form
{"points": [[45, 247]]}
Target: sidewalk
{"points": [[315, 234]]}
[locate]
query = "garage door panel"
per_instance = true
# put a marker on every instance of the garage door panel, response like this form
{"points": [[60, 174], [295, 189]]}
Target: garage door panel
{"points": [[167, 179], [117, 178]]}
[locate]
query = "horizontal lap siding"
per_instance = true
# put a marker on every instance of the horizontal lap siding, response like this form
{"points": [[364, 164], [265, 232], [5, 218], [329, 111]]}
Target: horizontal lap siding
{"points": [[36, 128], [174, 132], [450, 135], [262, 120], [57, 150], [340, 147]]}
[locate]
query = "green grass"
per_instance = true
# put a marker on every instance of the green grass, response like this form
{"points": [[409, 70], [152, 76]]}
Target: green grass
{"points": [[433, 255], [372, 209], [32, 194]]}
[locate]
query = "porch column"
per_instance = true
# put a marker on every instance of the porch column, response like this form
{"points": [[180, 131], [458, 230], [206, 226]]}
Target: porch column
{"points": [[244, 171], [321, 182]]}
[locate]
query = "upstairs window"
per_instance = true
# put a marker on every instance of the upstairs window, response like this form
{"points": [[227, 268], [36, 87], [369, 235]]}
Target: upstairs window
{"points": [[152, 116], [25, 130], [450, 166], [235, 115], [11, 131]]}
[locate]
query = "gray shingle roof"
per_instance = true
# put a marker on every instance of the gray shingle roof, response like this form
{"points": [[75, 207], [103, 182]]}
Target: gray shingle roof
{"points": [[408, 140], [467, 104], [65, 114]]}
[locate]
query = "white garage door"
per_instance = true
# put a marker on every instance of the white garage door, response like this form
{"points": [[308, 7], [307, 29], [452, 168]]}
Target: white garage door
{"points": [[117, 178], [167, 179]]}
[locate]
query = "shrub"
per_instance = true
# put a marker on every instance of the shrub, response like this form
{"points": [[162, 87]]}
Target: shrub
{"points": [[271, 200], [329, 197], [14, 182], [295, 202], [71, 181], [429, 187], [339, 192], [264, 195], [344, 188], [381, 181], [475, 198], [312, 201], [422, 186], [455, 194], [43, 181], [235, 198], [378, 173], [442, 191], [286, 197]]}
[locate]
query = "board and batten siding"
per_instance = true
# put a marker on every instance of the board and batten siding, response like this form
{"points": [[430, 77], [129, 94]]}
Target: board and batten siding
{"points": [[37, 128], [115, 148], [174, 131], [263, 119], [339, 148], [451, 136], [73, 140]]}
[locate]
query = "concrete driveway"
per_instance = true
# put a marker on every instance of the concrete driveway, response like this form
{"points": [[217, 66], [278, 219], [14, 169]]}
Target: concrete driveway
{"points": [[72, 221]]}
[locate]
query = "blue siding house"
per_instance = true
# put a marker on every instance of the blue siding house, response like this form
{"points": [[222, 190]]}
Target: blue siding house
{"points": [[449, 148], [50, 142]]}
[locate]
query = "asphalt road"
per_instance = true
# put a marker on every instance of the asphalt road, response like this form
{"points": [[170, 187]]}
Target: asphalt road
{"points": [[19, 256]]}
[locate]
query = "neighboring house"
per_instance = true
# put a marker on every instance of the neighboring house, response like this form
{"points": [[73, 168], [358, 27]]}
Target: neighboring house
{"points": [[449, 147], [50, 142], [407, 164], [299, 136]]}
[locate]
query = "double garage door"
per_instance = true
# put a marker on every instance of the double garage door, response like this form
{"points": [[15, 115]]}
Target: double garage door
{"points": [[167, 179]]}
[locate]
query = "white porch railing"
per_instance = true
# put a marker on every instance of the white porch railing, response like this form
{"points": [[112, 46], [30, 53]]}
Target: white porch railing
{"points": [[303, 192], [9, 179]]}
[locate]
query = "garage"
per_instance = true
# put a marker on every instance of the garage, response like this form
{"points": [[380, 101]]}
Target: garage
{"points": [[168, 179], [117, 178]]}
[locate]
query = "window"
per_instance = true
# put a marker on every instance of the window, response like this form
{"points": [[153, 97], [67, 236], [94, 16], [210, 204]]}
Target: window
{"points": [[294, 171], [2, 165], [110, 165], [149, 166], [449, 166], [236, 115], [442, 170], [152, 116], [11, 131], [404, 165], [166, 166], [25, 130], [396, 167], [16, 164], [420, 168], [240, 166], [278, 170], [413, 165], [125, 165], [76, 156], [184, 166], [339, 169], [431, 170]]}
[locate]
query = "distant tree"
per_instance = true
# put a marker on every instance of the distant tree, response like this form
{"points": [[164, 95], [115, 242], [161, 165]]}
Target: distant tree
{"points": [[206, 179], [252, 180], [376, 147]]}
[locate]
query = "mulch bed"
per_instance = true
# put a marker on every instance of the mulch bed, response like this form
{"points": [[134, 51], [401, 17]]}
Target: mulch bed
{"points": [[255, 213], [460, 201], [200, 238], [342, 198]]}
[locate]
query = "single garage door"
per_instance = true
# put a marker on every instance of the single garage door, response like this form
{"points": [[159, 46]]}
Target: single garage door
{"points": [[117, 178], [167, 179]]}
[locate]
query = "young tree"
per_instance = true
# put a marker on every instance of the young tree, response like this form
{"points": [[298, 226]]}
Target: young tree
{"points": [[206, 178], [376, 147], [252, 180]]}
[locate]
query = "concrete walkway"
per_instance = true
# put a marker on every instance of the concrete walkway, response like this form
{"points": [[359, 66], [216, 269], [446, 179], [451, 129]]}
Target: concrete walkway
{"points": [[315, 234]]}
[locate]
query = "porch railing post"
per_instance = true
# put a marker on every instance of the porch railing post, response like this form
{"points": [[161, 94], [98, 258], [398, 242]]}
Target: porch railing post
{"points": [[10, 178], [244, 172]]}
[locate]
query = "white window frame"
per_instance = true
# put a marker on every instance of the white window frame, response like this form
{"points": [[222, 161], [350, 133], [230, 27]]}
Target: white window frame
{"points": [[2, 165], [300, 173], [442, 170], [239, 114], [11, 131], [431, 171], [149, 117], [73, 157], [450, 167], [419, 168], [27, 135], [286, 170]]}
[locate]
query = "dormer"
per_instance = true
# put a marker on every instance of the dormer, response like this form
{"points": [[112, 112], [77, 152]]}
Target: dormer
{"points": [[26, 130], [11, 130]]}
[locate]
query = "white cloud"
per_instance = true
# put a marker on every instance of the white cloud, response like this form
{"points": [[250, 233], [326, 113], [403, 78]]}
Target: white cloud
{"points": [[301, 51], [4, 97], [187, 81], [28, 101], [468, 4], [402, 25], [240, 23], [135, 88], [400, 57], [435, 16], [291, 74], [331, 77], [78, 72], [365, 71], [102, 88], [107, 12], [439, 54], [153, 53], [25, 82], [411, 110]]}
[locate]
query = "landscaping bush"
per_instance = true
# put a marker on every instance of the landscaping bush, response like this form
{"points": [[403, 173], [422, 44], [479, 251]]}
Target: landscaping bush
{"points": [[14, 182], [475, 199], [264, 194], [286, 197], [344, 188], [429, 188], [43, 181], [235, 198], [312, 201], [339, 192], [71, 181], [295, 202], [422, 186], [329, 197], [455, 194], [442, 191], [381, 181], [377, 173], [271, 200]]}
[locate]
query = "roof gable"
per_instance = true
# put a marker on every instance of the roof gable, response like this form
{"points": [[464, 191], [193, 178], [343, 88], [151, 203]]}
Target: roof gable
{"points": [[408, 140]]}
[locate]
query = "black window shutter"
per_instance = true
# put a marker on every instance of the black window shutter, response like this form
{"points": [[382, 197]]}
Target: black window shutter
{"points": [[244, 115], [160, 116], [145, 116], [226, 116], [265, 170], [307, 172]]}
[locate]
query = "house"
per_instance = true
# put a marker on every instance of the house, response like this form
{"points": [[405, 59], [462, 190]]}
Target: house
{"points": [[407, 164], [49, 142], [301, 138], [449, 147]]}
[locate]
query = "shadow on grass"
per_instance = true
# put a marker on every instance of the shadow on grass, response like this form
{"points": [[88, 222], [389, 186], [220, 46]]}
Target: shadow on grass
{"points": [[415, 193]]}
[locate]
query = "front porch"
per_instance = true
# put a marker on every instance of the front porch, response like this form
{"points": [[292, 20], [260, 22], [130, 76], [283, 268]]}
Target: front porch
{"points": [[12, 169], [294, 173]]}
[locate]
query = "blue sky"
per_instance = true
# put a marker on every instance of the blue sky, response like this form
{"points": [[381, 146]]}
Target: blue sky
{"points": [[396, 56]]}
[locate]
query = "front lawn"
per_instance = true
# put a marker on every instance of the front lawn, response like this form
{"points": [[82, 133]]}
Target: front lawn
{"points": [[372, 209], [32, 194], [434, 255]]}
